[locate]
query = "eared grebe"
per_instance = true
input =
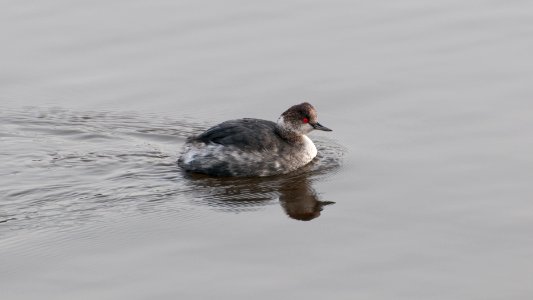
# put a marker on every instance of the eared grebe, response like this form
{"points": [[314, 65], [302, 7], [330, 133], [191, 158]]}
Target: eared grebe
{"points": [[253, 147]]}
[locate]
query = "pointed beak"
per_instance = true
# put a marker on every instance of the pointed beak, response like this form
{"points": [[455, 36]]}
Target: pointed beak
{"points": [[318, 126]]}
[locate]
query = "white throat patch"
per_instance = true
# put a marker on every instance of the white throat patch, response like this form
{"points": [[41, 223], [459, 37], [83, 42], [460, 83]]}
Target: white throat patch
{"points": [[310, 148]]}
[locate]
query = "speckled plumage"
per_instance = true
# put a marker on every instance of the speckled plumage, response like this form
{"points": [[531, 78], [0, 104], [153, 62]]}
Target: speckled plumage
{"points": [[253, 147]]}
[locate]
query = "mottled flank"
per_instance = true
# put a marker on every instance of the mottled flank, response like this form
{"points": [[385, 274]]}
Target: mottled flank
{"points": [[253, 147]]}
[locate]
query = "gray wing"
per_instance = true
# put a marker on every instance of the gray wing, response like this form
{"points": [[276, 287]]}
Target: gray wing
{"points": [[245, 134]]}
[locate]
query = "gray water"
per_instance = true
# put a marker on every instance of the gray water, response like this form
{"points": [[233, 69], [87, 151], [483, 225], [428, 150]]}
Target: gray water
{"points": [[422, 191]]}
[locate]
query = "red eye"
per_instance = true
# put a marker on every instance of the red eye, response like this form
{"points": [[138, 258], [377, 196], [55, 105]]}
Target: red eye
{"points": [[305, 120]]}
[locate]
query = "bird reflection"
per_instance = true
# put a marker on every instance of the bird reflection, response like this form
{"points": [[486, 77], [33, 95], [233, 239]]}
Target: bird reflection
{"points": [[300, 200], [296, 195]]}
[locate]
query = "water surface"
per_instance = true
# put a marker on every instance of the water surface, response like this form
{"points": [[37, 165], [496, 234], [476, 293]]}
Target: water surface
{"points": [[422, 191]]}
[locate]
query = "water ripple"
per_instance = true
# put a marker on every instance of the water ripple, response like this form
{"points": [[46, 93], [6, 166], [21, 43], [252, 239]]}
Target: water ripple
{"points": [[63, 167]]}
